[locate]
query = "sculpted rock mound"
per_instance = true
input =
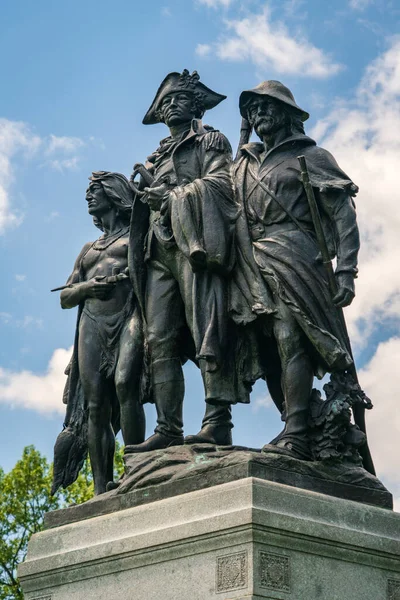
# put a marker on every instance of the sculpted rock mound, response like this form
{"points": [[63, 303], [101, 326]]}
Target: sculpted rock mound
{"points": [[152, 476], [205, 465]]}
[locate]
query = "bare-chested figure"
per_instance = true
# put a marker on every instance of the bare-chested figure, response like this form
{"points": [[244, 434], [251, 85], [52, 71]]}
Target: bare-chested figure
{"points": [[109, 342]]}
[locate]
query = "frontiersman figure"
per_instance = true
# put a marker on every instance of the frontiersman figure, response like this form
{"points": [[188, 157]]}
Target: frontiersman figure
{"points": [[301, 320], [103, 387], [189, 255]]}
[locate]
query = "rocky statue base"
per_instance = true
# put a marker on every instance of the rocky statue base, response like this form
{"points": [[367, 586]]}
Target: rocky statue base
{"points": [[159, 535], [151, 476]]}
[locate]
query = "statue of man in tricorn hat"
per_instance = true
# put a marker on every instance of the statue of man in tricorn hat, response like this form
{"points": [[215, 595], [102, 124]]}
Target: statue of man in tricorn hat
{"points": [[297, 313], [189, 254]]}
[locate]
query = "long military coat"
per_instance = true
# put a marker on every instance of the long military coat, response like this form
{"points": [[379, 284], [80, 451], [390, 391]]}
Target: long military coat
{"points": [[202, 208], [276, 258]]}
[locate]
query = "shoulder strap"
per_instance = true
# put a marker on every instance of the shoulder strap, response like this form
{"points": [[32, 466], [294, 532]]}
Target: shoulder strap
{"points": [[283, 207]]}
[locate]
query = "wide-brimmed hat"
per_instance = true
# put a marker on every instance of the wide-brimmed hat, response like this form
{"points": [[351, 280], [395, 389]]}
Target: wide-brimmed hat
{"points": [[273, 89], [182, 82]]}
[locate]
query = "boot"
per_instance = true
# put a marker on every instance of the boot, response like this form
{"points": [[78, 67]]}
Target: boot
{"points": [[216, 427], [157, 441], [293, 440], [168, 392]]}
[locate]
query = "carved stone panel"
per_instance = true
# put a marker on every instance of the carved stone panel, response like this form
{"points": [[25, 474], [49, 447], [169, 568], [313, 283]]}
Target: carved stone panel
{"points": [[393, 592], [274, 572], [231, 572]]}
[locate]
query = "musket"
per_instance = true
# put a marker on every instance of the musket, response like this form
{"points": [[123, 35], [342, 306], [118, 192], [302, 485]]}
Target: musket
{"points": [[245, 134], [140, 169], [148, 178], [358, 408]]}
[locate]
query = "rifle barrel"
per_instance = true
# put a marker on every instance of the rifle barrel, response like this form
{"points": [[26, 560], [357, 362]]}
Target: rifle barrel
{"points": [[245, 134]]}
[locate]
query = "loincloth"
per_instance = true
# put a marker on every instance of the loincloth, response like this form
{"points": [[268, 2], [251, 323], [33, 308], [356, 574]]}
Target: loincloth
{"points": [[108, 330]]}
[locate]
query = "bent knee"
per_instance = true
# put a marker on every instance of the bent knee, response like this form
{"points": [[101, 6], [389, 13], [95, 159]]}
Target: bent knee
{"points": [[127, 388], [290, 341]]}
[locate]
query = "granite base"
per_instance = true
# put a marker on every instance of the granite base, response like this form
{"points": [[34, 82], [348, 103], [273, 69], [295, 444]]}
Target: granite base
{"points": [[245, 540]]}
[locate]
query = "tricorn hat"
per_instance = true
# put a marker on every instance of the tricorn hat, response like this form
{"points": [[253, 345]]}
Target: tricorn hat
{"points": [[177, 82], [273, 89]]}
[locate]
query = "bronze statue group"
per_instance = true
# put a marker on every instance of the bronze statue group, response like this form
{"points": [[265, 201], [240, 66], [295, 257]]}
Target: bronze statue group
{"points": [[213, 260]]}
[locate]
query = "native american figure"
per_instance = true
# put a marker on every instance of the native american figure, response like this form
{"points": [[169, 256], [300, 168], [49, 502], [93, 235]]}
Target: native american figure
{"points": [[103, 392]]}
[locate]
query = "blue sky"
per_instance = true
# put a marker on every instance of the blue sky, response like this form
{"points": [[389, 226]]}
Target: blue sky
{"points": [[77, 80]]}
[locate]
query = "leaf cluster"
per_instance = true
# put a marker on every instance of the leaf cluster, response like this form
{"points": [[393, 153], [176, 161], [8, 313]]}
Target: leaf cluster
{"points": [[24, 500]]}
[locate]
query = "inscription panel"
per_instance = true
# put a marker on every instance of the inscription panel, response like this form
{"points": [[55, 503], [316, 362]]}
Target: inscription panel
{"points": [[231, 572], [274, 572]]}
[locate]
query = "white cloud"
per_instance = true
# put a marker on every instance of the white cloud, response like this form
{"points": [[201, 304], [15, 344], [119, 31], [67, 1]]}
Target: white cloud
{"points": [[203, 49], [29, 321], [41, 393], [360, 4], [69, 164], [381, 380], [97, 142], [59, 149], [20, 277], [24, 322], [64, 144], [363, 136], [53, 215], [216, 3], [261, 402], [15, 138], [269, 44], [294, 8]]}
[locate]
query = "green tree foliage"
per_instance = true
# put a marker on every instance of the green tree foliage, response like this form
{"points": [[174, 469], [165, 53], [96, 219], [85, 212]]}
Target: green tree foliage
{"points": [[24, 500]]}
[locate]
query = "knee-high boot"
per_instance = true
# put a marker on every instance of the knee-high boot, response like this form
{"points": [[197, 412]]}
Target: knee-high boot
{"points": [[168, 393], [216, 426]]}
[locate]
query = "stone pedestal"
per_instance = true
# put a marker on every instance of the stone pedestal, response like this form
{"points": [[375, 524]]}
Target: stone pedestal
{"points": [[247, 539]]}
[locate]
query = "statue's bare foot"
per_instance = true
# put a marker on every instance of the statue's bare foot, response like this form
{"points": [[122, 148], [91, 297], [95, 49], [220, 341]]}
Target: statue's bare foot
{"points": [[112, 485]]}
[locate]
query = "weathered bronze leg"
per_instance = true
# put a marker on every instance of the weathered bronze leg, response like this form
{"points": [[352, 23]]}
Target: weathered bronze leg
{"points": [[297, 380], [99, 394], [127, 382]]}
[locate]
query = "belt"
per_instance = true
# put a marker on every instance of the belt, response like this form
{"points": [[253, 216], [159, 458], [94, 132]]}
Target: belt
{"points": [[259, 231]]}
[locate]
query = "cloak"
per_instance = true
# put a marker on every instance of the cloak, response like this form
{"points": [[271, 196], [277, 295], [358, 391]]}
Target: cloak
{"points": [[284, 260]]}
